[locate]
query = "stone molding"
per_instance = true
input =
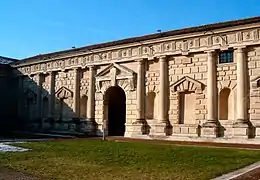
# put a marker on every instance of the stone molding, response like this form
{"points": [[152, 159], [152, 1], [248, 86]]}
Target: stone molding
{"points": [[226, 84]]}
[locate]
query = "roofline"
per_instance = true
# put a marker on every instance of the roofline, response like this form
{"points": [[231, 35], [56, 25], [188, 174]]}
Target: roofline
{"points": [[194, 29], [11, 59]]}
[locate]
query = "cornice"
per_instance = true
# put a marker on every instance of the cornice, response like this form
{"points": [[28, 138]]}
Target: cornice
{"points": [[152, 41]]}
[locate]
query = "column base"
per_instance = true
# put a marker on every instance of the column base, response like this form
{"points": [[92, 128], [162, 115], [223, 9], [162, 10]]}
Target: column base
{"points": [[257, 131], [210, 129], [185, 130], [160, 128], [241, 129], [241, 123], [91, 127], [137, 128]]}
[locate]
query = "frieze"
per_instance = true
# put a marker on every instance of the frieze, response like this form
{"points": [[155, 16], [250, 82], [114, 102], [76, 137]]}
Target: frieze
{"points": [[170, 47]]}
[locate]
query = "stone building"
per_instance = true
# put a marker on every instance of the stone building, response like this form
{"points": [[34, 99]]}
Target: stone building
{"points": [[193, 83]]}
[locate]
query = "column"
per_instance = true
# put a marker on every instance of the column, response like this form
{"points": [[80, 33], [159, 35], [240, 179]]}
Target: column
{"points": [[140, 91], [52, 94], [162, 89], [39, 97], [241, 87], [91, 94], [210, 128], [211, 89], [76, 93]]}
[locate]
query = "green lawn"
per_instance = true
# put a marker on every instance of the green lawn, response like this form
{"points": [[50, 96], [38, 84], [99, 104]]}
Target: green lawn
{"points": [[94, 159]]}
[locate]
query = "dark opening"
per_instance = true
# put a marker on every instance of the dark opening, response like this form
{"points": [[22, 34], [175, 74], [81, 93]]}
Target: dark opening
{"points": [[226, 56], [115, 99]]}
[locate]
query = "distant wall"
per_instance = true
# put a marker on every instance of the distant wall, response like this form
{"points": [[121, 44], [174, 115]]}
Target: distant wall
{"points": [[8, 107]]}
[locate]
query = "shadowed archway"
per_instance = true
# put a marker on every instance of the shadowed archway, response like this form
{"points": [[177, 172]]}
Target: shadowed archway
{"points": [[115, 102]]}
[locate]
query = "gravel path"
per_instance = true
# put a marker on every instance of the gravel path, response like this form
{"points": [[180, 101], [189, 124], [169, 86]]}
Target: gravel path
{"points": [[6, 174], [251, 175]]}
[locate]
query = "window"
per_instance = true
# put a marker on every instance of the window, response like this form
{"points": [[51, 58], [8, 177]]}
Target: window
{"points": [[226, 56]]}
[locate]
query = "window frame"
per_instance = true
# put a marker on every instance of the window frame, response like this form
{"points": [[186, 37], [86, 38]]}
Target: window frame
{"points": [[226, 57]]}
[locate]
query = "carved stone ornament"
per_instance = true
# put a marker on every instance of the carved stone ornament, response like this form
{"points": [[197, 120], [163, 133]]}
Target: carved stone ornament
{"points": [[64, 93], [112, 74], [187, 84]]}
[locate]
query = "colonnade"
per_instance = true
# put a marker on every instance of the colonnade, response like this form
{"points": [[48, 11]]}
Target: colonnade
{"points": [[163, 90]]}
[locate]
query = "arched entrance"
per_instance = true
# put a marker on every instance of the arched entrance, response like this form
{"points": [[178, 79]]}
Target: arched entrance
{"points": [[115, 108]]}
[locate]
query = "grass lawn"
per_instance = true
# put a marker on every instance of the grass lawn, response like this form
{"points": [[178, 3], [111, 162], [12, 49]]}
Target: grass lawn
{"points": [[94, 159]]}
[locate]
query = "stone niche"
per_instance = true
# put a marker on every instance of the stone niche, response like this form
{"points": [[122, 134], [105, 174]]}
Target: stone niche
{"points": [[30, 105], [185, 101], [63, 108]]}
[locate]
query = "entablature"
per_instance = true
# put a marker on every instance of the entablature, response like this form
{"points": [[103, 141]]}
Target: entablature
{"points": [[169, 46]]}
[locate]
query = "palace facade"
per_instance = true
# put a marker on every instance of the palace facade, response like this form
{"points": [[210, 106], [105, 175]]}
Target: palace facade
{"points": [[194, 83]]}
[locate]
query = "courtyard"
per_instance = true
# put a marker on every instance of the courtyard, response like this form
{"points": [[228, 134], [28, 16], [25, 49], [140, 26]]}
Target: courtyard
{"points": [[96, 159]]}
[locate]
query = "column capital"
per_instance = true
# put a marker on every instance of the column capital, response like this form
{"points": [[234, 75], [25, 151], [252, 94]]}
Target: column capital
{"points": [[51, 72], [40, 78], [162, 58], [210, 52], [240, 49], [38, 74], [140, 61], [91, 67], [75, 68]]}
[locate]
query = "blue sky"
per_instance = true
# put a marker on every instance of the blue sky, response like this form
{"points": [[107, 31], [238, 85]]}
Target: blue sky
{"points": [[31, 27]]}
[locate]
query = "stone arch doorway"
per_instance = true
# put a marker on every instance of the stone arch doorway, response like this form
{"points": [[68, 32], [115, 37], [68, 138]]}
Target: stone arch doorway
{"points": [[115, 110]]}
